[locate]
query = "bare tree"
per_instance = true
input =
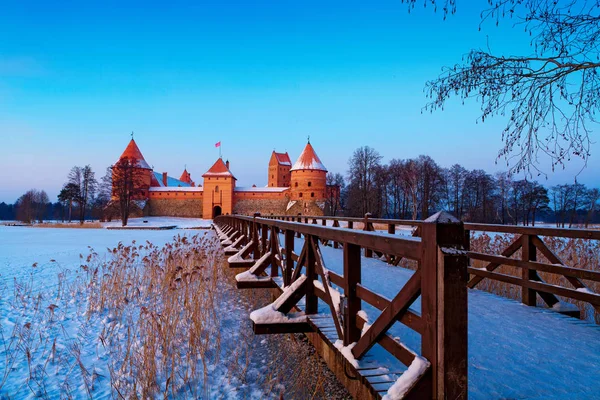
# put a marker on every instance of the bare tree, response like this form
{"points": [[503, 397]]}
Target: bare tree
{"points": [[127, 180], [550, 97], [362, 196], [31, 206], [335, 185], [85, 179]]}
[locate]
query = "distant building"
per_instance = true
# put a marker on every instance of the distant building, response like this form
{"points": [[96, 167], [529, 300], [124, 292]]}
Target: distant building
{"points": [[291, 190]]}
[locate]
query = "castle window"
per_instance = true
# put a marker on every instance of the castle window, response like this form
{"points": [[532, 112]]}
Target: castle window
{"points": [[309, 184], [300, 195], [312, 195], [216, 189], [272, 176], [296, 185]]}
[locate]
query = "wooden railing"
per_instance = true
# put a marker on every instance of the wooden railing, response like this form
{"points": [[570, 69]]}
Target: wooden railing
{"points": [[440, 281], [529, 242]]}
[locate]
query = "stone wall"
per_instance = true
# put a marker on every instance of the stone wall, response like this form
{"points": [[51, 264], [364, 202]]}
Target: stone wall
{"points": [[306, 208], [263, 206], [191, 208]]}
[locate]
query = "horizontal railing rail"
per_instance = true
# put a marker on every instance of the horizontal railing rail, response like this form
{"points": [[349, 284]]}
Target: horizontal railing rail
{"points": [[529, 242]]}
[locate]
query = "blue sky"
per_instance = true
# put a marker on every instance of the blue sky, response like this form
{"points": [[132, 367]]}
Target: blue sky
{"points": [[76, 79]]}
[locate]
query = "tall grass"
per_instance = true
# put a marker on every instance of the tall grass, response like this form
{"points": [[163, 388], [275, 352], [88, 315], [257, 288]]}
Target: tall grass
{"points": [[148, 322], [577, 253]]}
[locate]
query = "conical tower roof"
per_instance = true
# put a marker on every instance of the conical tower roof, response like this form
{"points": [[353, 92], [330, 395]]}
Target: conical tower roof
{"points": [[309, 160], [133, 153], [186, 177]]}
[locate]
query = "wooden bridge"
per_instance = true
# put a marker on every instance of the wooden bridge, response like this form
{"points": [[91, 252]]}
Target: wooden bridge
{"points": [[355, 326]]}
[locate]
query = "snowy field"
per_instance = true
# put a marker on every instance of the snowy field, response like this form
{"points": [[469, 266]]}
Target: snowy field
{"points": [[65, 332], [158, 222]]}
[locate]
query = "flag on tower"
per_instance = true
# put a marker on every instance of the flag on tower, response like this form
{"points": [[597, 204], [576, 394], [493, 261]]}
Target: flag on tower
{"points": [[218, 144]]}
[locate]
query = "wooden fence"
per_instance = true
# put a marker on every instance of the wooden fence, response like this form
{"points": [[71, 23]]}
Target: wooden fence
{"points": [[440, 280], [529, 242]]}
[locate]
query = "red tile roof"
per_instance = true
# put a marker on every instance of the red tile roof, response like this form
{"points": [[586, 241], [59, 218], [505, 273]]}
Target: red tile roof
{"points": [[309, 160], [218, 169], [283, 158], [132, 152]]}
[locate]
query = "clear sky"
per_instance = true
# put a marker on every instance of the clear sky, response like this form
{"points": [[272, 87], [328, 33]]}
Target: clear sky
{"points": [[76, 79]]}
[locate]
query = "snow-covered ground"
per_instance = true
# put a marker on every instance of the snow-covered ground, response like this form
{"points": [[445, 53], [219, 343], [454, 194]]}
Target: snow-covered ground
{"points": [[160, 222], [52, 346], [515, 351]]}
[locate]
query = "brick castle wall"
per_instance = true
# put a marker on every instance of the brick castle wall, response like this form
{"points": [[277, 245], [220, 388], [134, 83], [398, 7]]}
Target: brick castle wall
{"points": [[191, 208], [263, 206]]}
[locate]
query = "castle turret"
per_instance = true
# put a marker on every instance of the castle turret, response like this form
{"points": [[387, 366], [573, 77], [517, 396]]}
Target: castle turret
{"points": [[186, 177], [279, 170], [308, 178], [219, 184], [143, 178]]}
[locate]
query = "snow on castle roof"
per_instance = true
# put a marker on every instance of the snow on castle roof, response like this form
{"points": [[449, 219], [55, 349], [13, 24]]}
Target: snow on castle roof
{"points": [[283, 158], [219, 169], [132, 152], [309, 160], [171, 182]]}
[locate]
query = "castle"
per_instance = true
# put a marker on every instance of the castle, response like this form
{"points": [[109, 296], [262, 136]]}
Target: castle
{"points": [[295, 189]]}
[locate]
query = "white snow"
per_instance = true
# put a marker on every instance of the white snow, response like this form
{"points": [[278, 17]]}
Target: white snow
{"points": [[408, 379], [269, 313], [347, 351], [177, 189], [158, 222], [268, 189]]}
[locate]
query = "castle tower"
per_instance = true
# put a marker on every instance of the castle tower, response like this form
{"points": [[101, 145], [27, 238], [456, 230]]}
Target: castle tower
{"points": [[308, 178], [279, 170], [186, 177], [144, 175], [219, 184]]}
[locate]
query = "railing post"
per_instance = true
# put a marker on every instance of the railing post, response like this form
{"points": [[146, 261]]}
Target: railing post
{"points": [[311, 275], [444, 305], [352, 277], [368, 252], [324, 223], [254, 238], [350, 224], [299, 221], [289, 260], [264, 232], [392, 229], [274, 250], [528, 253]]}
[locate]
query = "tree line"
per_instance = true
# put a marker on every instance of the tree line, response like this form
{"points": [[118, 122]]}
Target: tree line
{"points": [[416, 188], [81, 197]]}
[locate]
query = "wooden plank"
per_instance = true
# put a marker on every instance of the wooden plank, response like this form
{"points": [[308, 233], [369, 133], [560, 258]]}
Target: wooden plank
{"points": [[397, 349], [288, 327], [534, 230], [509, 251], [528, 253], [352, 275], [289, 257], [553, 258], [539, 266], [336, 279], [293, 298], [398, 306], [259, 284], [410, 318], [311, 306], [320, 268], [591, 298]]}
